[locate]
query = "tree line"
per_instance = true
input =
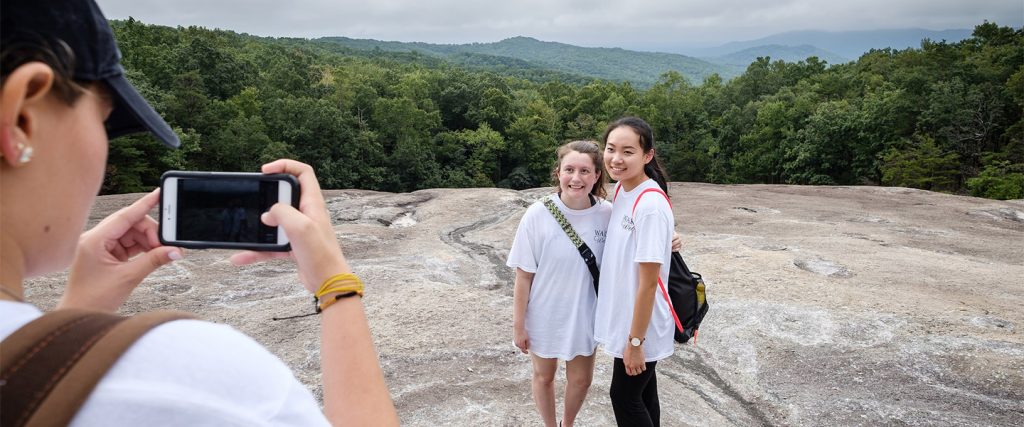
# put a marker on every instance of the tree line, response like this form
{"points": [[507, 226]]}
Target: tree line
{"points": [[944, 117]]}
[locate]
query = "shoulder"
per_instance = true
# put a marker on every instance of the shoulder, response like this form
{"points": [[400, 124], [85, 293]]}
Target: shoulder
{"points": [[651, 198], [213, 367], [14, 315], [208, 352], [211, 339], [536, 210], [189, 372], [539, 205]]}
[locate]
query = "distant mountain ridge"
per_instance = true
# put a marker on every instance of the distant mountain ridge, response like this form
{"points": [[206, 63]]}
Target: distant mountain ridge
{"points": [[846, 44], [778, 52], [616, 64], [643, 68]]}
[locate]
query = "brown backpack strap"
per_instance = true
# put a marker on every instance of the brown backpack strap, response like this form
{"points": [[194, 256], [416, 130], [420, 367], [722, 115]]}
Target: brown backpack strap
{"points": [[51, 365], [36, 357]]}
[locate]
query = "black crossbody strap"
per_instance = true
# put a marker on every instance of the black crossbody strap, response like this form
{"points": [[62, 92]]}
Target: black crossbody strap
{"points": [[585, 252]]}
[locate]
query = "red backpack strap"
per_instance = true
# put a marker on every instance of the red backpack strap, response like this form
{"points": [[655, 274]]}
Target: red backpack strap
{"points": [[661, 285], [51, 365], [651, 190], [671, 309]]}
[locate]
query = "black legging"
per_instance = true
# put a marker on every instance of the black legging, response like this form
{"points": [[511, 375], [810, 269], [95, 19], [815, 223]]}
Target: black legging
{"points": [[635, 399]]}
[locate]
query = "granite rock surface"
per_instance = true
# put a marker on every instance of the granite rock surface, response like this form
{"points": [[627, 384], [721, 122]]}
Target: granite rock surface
{"points": [[829, 306]]}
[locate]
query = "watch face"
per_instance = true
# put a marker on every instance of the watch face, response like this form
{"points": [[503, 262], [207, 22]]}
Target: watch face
{"points": [[635, 341]]}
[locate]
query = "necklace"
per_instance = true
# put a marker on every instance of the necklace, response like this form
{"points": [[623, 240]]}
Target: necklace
{"points": [[11, 294]]}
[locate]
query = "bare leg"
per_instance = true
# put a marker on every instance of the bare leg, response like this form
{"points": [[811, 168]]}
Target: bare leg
{"points": [[544, 388], [578, 374]]}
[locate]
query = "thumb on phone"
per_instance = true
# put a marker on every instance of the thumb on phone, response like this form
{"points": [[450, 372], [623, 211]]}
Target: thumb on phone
{"points": [[314, 245], [140, 266], [283, 215]]}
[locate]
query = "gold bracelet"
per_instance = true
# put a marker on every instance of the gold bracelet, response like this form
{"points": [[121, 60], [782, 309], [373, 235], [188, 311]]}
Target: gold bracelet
{"points": [[343, 288], [340, 282], [341, 285]]}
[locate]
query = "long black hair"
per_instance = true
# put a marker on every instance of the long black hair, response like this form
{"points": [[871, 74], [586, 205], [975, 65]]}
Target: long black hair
{"points": [[652, 169]]}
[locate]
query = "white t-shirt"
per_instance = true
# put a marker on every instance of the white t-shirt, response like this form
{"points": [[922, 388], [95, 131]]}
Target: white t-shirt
{"points": [[560, 314], [645, 236], [189, 373]]}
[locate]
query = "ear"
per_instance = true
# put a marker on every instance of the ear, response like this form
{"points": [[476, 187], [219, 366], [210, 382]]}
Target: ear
{"points": [[22, 99], [648, 156]]}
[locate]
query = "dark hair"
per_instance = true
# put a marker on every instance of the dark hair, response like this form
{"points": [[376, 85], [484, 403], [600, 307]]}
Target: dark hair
{"points": [[592, 150], [22, 48], [653, 169]]}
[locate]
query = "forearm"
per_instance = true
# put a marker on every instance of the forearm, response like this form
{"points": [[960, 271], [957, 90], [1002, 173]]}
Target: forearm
{"points": [[645, 293], [354, 389]]}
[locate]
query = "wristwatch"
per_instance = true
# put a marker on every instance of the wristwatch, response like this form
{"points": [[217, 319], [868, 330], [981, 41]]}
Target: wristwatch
{"points": [[636, 342]]}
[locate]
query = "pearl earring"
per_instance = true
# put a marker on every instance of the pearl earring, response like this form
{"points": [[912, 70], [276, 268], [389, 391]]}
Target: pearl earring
{"points": [[24, 153]]}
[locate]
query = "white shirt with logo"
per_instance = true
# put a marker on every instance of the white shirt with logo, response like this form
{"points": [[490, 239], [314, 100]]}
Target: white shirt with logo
{"points": [[643, 236], [560, 314]]}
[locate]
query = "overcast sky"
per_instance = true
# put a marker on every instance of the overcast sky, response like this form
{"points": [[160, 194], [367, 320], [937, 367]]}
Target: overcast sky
{"points": [[634, 24]]}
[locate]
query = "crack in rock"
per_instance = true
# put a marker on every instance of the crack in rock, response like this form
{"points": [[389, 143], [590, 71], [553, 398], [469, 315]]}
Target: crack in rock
{"points": [[486, 253], [481, 252], [700, 368], [388, 210], [1004, 214]]}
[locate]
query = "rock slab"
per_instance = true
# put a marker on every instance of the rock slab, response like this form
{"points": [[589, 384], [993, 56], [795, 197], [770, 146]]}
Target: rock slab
{"points": [[829, 306]]}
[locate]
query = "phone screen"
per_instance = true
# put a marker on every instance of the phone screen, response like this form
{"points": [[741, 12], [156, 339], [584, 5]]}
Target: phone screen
{"points": [[225, 210]]}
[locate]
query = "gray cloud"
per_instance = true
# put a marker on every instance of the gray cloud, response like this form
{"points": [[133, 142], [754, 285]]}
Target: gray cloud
{"points": [[633, 24]]}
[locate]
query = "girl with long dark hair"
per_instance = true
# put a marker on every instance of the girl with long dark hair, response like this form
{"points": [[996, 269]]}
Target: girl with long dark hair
{"points": [[632, 322]]}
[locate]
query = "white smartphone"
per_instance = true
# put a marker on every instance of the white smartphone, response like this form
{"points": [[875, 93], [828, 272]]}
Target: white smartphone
{"points": [[222, 209]]}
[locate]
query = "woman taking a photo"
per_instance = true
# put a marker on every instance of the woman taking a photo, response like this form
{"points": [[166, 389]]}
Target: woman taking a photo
{"points": [[63, 93], [633, 322]]}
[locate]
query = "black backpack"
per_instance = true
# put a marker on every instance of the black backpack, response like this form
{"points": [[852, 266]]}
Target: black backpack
{"points": [[685, 293]]}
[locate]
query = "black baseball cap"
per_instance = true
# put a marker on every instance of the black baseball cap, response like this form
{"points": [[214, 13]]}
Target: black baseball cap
{"points": [[81, 27]]}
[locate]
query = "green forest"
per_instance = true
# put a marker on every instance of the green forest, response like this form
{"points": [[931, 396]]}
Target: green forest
{"points": [[943, 117], [615, 64]]}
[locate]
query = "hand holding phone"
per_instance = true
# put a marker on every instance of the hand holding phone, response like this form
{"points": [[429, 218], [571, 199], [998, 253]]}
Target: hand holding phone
{"points": [[113, 257], [347, 352], [223, 209], [314, 246]]}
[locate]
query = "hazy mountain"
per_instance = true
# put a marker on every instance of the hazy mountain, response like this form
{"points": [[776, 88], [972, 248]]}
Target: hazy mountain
{"points": [[845, 44], [777, 52], [644, 68], [641, 68]]}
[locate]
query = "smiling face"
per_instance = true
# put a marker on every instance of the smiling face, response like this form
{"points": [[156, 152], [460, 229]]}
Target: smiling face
{"points": [[577, 175], [624, 157]]}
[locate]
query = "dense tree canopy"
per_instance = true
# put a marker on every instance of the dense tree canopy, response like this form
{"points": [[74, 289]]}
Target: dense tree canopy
{"points": [[944, 117]]}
